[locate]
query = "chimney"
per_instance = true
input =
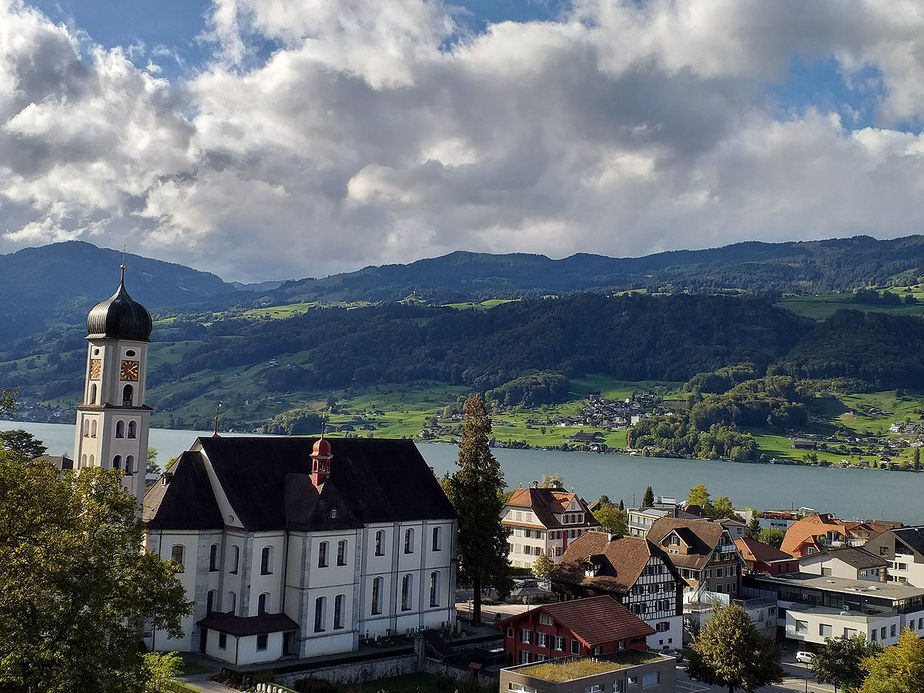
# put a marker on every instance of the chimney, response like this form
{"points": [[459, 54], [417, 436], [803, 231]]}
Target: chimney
{"points": [[320, 462]]}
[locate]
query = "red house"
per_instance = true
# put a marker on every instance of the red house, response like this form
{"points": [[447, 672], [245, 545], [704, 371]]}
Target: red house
{"points": [[580, 627], [763, 558]]}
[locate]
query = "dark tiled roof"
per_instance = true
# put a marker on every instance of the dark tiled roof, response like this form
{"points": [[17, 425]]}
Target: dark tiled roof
{"points": [[546, 502], [702, 536], [60, 462], [241, 626], [857, 557], [621, 562], [595, 620], [187, 502], [266, 480]]}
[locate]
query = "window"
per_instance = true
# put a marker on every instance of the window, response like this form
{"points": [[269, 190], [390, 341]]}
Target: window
{"points": [[595, 688], [873, 635], [132, 429], [801, 626], [261, 641], [338, 611], [545, 619], [526, 636], [263, 603], [892, 631], [130, 464], [436, 545], [210, 602], [558, 643], [542, 640], [322, 554], [213, 558], [434, 588], [222, 641], [632, 680], [528, 533], [849, 632], [406, 598], [235, 557], [652, 678], [824, 630], [597, 651], [231, 605], [93, 427], [266, 561], [380, 543], [409, 541], [377, 595], [826, 572], [128, 392], [882, 633], [524, 657], [120, 429], [117, 462], [176, 553], [341, 552], [509, 631], [575, 647], [618, 687], [92, 398], [320, 605], [663, 626], [883, 551]]}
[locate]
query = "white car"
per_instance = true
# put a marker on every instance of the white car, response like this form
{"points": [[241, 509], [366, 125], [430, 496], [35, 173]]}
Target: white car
{"points": [[805, 657]]}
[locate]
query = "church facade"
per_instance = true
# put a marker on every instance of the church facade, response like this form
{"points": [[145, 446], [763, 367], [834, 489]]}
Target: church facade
{"points": [[290, 546]]}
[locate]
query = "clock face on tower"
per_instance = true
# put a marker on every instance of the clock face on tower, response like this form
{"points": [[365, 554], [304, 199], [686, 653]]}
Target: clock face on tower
{"points": [[96, 367], [129, 370]]}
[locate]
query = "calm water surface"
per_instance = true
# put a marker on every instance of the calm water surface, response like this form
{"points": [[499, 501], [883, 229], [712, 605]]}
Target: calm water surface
{"points": [[845, 492]]}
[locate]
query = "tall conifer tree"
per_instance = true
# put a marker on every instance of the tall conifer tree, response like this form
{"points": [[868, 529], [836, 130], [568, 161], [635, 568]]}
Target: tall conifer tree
{"points": [[476, 493]]}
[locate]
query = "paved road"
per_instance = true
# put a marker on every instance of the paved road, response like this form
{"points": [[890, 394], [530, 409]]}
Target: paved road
{"points": [[798, 679]]}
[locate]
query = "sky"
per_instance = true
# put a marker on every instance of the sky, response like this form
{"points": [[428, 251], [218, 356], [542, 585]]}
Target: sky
{"points": [[271, 139]]}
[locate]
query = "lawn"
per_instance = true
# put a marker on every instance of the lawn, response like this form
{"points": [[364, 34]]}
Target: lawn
{"points": [[822, 306]]}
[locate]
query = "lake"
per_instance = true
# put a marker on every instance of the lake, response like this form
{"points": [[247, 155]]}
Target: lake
{"points": [[847, 493]]}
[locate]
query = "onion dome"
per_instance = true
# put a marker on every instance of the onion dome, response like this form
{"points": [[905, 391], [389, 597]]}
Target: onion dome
{"points": [[321, 449], [120, 317]]}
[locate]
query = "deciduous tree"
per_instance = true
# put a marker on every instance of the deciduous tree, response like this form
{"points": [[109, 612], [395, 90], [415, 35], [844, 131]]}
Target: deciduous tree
{"points": [[551, 481], [612, 520], [21, 442], [897, 669], [476, 491], [542, 566], [772, 535], [839, 661], [74, 587], [699, 495], [729, 651]]}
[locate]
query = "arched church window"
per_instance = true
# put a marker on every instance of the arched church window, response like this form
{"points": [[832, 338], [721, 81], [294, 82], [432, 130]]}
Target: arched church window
{"points": [[128, 392], [130, 464], [120, 429], [132, 429], [82, 462], [92, 460], [93, 428], [117, 462], [86, 428], [92, 397]]}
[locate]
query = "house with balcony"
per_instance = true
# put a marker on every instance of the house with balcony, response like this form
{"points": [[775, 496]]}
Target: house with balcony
{"points": [[764, 558], [544, 521], [821, 531], [702, 551], [903, 548], [813, 607], [633, 571]]}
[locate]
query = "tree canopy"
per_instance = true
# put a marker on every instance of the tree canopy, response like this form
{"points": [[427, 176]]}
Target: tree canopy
{"points": [[729, 651], [476, 492], [74, 587], [897, 669], [21, 442], [839, 661], [612, 520]]}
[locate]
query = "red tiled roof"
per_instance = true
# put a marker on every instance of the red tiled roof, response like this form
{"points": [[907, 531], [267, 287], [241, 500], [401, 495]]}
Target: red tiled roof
{"points": [[753, 550], [809, 527], [594, 621], [547, 502]]}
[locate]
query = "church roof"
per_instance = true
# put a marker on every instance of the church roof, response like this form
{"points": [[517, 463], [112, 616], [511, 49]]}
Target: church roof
{"points": [[267, 483], [120, 317], [242, 626], [183, 498]]}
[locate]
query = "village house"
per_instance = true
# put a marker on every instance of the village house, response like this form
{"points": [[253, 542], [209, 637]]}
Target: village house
{"points": [[703, 552], [596, 626], [763, 558], [544, 520], [819, 531], [903, 547], [633, 571], [853, 563]]}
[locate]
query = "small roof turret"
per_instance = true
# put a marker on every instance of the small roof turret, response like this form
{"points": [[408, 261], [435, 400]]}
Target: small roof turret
{"points": [[120, 317]]}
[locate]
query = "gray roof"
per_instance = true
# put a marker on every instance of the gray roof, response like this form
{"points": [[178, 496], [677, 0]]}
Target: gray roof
{"points": [[888, 590], [266, 480], [912, 537], [857, 557]]}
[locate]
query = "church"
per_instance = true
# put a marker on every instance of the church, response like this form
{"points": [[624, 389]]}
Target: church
{"points": [[291, 546]]}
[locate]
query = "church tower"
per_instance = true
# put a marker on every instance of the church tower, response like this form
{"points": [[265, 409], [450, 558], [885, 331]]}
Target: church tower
{"points": [[112, 420]]}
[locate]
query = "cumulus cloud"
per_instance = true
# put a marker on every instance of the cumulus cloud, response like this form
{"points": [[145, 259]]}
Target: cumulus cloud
{"points": [[330, 134]]}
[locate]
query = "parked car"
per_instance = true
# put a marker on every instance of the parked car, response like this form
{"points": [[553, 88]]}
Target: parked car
{"points": [[805, 657]]}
